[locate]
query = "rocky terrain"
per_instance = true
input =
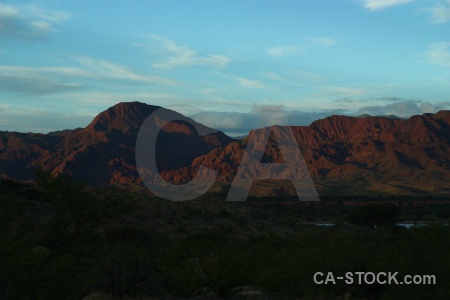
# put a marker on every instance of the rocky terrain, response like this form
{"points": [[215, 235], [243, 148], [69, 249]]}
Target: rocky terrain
{"points": [[362, 155], [344, 155], [104, 151]]}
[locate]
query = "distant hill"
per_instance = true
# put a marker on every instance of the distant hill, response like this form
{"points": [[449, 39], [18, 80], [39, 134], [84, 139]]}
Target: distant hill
{"points": [[240, 137], [381, 116]]}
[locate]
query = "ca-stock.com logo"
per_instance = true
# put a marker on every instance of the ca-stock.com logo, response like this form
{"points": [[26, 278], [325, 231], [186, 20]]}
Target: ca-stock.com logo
{"points": [[250, 167]]}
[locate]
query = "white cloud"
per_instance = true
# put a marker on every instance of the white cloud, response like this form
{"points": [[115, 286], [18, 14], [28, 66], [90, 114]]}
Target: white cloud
{"points": [[44, 80], [271, 75], [180, 56], [295, 77], [438, 54], [343, 91], [260, 109], [39, 121], [387, 99], [34, 84], [38, 80], [306, 76], [323, 41], [29, 21], [440, 13], [104, 69], [93, 102], [235, 123], [403, 109], [383, 4], [21, 71], [7, 11], [51, 16], [285, 50], [78, 107], [245, 82]]}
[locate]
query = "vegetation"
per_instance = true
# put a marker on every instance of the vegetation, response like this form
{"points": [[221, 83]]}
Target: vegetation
{"points": [[375, 215], [61, 240]]}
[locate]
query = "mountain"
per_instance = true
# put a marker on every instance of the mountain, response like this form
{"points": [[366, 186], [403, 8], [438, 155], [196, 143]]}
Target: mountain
{"points": [[104, 151], [353, 155], [344, 155]]}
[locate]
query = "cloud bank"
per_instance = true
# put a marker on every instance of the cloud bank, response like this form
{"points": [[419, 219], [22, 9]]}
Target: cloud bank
{"points": [[236, 123], [232, 123], [46, 80], [39, 121], [403, 109]]}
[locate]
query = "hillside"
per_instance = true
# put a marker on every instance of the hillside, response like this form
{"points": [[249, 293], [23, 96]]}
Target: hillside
{"points": [[104, 151], [344, 155], [355, 155]]}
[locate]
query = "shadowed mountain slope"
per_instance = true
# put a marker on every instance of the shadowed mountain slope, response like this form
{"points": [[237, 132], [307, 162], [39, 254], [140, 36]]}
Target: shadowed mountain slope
{"points": [[343, 154], [104, 151], [373, 154]]}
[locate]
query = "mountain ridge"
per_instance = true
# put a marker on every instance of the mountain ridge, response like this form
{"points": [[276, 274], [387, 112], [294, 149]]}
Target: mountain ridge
{"points": [[374, 154], [103, 151], [384, 153]]}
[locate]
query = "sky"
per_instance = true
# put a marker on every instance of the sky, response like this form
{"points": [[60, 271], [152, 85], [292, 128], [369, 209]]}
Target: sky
{"points": [[230, 64]]}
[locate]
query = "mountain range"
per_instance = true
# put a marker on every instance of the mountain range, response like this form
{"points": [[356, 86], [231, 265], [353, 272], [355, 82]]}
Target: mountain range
{"points": [[344, 155]]}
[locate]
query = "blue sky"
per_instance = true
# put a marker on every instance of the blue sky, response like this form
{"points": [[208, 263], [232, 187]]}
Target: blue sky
{"points": [[231, 64]]}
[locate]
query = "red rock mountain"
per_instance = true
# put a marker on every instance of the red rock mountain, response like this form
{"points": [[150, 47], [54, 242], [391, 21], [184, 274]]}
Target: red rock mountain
{"points": [[355, 155], [344, 155], [104, 151]]}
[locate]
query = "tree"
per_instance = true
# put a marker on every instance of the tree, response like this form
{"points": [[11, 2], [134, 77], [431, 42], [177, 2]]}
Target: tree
{"points": [[51, 237]]}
